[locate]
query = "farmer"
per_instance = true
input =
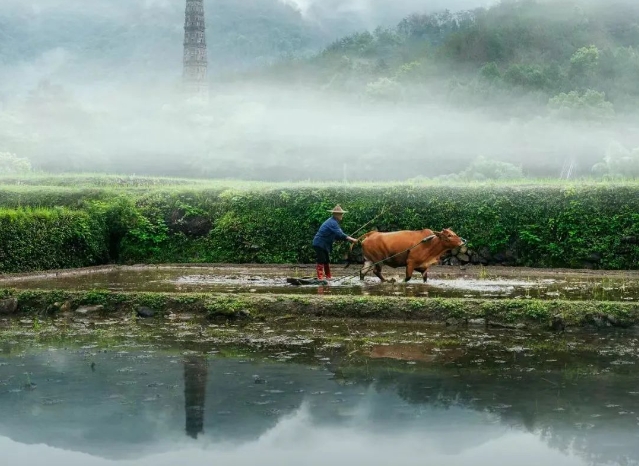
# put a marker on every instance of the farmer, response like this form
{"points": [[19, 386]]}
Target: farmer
{"points": [[328, 233]]}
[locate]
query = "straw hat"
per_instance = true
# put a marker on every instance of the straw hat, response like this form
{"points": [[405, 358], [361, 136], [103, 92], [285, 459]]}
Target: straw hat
{"points": [[338, 210]]}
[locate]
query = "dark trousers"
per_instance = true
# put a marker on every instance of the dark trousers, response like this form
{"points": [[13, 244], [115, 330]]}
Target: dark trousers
{"points": [[322, 261]]}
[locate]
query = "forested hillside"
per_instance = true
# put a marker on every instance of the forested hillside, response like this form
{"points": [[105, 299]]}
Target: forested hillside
{"points": [[583, 52]]}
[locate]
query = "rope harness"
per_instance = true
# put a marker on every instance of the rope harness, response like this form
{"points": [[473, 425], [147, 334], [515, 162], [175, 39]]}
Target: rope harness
{"points": [[383, 211]]}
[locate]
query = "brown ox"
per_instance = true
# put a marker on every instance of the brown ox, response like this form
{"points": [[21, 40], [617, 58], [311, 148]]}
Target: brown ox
{"points": [[411, 249]]}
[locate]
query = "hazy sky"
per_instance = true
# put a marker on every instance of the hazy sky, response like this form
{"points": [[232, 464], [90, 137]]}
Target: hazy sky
{"points": [[121, 81], [402, 5]]}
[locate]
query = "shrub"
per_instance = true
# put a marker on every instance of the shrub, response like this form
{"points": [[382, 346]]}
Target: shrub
{"points": [[41, 239], [543, 225]]}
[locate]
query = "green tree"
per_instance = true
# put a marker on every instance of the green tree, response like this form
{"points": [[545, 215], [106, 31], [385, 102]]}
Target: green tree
{"points": [[485, 169], [490, 71], [590, 105], [530, 76], [585, 61], [11, 164], [618, 163], [384, 89]]}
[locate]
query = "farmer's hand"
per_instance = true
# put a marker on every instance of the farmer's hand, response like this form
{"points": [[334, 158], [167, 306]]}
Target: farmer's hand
{"points": [[352, 240]]}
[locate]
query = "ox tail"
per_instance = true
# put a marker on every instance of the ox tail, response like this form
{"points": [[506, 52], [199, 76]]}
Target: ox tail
{"points": [[350, 259]]}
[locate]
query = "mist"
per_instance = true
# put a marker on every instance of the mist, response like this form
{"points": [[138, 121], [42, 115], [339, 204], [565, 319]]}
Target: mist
{"points": [[111, 102]]}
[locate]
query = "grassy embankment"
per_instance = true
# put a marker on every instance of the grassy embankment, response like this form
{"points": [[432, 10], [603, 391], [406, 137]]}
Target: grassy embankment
{"points": [[52, 222]]}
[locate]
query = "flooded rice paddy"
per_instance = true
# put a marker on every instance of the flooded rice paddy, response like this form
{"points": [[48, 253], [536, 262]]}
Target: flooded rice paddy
{"points": [[443, 282], [189, 392]]}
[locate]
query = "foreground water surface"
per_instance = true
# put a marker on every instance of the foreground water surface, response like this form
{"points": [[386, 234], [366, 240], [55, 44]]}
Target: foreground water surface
{"points": [[473, 399]]}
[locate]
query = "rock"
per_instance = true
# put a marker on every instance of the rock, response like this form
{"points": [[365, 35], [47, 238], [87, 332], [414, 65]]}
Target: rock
{"points": [[463, 249], [59, 307], [8, 306], [463, 258], [454, 261], [65, 307], [511, 256], [613, 320], [89, 309], [244, 313], [558, 324], [485, 253], [592, 261], [452, 322], [499, 258], [476, 258], [507, 326], [145, 312], [258, 380], [480, 260], [192, 226], [600, 321], [477, 322], [455, 251]]}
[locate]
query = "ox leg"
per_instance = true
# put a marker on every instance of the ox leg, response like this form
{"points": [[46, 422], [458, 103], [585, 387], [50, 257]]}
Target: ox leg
{"points": [[410, 268], [378, 272], [425, 275], [368, 266]]}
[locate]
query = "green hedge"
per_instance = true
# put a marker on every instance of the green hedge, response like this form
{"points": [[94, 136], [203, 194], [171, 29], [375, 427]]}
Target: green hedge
{"points": [[41, 239], [545, 226], [538, 225]]}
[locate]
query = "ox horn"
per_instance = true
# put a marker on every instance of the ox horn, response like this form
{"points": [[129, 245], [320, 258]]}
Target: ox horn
{"points": [[428, 238]]}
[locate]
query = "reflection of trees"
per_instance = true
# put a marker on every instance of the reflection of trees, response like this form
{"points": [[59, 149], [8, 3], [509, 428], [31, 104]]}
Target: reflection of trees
{"points": [[593, 415], [195, 377]]}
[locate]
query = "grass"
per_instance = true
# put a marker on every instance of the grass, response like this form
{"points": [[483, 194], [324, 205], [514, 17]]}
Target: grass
{"points": [[74, 182], [531, 312]]}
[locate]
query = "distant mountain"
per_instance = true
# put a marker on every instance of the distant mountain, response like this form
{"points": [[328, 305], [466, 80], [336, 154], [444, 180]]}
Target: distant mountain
{"points": [[125, 39]]}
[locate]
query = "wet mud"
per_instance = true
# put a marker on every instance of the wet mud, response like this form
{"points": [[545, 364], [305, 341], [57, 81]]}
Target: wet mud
{"points": [[444, 282]]}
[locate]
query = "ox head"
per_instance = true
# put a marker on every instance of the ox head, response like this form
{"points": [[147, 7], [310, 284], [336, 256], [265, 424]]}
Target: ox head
{"points": [[450, 238]]}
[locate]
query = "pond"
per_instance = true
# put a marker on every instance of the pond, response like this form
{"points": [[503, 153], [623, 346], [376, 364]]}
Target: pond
{"points": [[164, 395]]}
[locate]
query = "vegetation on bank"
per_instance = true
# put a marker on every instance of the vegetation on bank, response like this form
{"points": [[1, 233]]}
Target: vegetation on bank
{"points": [[501, 313], [539, 225]]}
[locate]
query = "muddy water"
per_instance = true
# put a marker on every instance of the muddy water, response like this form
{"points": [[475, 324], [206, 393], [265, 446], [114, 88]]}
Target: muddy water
{"points": [[238, 280], [187, 395]]}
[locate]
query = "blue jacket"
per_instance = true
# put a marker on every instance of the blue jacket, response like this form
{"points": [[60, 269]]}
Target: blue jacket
{"points": [[328, 233]]}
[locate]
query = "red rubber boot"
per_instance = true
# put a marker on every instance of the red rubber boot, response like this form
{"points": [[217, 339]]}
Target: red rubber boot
{"points": [[320, 271], [327, 271]]}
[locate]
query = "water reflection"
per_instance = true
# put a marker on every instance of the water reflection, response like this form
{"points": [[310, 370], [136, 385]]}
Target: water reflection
{"points": [[93, 407], [195, 375]]}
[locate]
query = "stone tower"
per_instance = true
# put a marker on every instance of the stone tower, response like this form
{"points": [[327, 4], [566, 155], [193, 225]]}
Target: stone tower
{"points": [[195, 57]]}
